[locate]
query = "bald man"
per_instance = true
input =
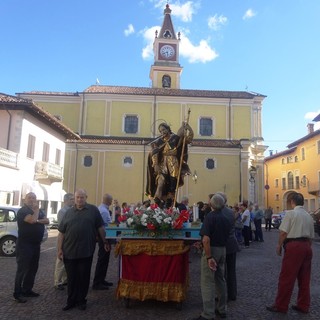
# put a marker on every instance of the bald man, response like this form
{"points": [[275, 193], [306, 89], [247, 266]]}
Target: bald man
{"points": [[76, 244]]}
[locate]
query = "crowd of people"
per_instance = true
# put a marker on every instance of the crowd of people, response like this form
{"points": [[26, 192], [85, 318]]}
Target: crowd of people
{"points": [[225, 230]]}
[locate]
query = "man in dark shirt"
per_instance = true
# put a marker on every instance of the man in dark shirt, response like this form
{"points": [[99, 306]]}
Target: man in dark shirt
{"points": [[215, 232], [31, 221], [76, 244]]}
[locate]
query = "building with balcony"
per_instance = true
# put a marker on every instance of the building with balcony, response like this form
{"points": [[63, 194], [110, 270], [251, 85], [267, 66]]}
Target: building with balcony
{"points": [[32, 153], [295, 169]]}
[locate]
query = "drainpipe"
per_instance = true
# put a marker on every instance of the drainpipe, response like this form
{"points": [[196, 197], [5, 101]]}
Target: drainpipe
{"points": [[9, 129], [75, 169], [154, 115], [230, 122], [81, 113], [143, 169], [240, 173]]}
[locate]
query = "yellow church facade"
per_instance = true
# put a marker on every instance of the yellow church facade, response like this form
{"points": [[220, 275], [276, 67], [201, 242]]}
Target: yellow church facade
{"points": [[117, 124]]}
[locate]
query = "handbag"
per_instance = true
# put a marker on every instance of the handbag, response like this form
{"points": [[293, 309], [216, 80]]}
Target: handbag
{"points": [[253, 226]]}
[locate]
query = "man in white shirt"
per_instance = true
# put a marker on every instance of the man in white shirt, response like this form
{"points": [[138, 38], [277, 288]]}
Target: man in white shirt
{"points": [[296, 234]]}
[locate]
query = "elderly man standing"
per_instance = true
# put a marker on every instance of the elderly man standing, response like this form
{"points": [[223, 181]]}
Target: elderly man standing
{"points": [[76, 244], [60, 275], [215, 233], [296, 234], [257, 219], [99, 282], [31, 221]]}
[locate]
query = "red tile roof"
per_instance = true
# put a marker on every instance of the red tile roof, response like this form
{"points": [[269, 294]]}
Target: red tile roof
{"points": [[101, 89], [9, 102]]}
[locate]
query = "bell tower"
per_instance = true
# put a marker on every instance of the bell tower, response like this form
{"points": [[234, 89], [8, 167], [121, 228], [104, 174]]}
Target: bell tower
{"points": [[166, 70]]}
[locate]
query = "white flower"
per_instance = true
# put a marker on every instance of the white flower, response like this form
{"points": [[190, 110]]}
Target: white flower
{"points": [[129, 221]]}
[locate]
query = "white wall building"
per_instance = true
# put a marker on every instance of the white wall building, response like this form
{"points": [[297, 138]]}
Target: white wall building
{"points": [[32, 153]]}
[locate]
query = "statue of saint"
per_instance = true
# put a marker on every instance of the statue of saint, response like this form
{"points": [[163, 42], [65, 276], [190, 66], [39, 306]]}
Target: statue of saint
{"points": [[164, 163]]}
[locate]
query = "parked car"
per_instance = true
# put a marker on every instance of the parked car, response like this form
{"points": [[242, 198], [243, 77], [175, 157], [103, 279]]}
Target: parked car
{"points": [[316, 218], [9, 231], [276, 219]]}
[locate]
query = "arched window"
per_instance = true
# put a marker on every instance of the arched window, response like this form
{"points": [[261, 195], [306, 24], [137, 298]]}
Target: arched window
{"points": [[127, 161], [166, 81], [290, 180]]}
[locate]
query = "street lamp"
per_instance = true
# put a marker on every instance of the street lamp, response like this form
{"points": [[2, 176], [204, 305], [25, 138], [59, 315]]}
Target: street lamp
{"points": [[195, 176], [253, 173]]}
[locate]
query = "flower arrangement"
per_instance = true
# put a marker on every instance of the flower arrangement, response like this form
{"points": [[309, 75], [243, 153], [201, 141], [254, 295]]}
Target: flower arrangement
{"points": [[154, 220]]}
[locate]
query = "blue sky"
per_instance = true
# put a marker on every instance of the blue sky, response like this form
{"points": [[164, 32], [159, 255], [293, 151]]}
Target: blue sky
{"points": [[271, 47]]}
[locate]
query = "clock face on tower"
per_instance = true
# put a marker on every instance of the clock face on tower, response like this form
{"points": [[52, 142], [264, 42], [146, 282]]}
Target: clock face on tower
{"points": [[167, 51]]}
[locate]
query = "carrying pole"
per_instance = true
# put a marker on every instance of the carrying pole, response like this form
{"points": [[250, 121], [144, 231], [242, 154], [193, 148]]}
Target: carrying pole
{"points": [[181, 159]]}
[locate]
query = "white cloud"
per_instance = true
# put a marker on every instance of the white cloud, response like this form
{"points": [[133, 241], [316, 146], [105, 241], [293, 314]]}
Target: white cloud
{"points": [[310, 116], [184, 12], [129, 30], [193, 53], [149, 35], [197, 53], [249, 14], [216, 22]]}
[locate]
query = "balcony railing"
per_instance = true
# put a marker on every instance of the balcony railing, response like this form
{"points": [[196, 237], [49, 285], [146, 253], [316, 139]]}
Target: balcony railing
{"points": [[47, 170], [9, 159]]}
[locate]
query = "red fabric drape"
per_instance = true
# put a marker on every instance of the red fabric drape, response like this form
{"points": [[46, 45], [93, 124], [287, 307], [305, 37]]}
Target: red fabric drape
{"points": [[146, 268]]}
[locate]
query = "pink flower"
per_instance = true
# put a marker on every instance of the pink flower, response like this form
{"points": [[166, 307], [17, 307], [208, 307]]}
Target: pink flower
{"points": [[150, 226], [153, 206]]}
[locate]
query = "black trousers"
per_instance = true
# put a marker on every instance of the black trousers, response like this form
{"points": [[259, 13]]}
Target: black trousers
{"points": [[231, 275], [268, 224], [102, 264], [78, 274], [27, 258], [246, 231]]}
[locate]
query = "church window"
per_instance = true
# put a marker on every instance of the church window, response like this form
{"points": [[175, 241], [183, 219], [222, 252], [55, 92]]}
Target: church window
{"points": [[210, 164], [131, 124], [166, 81], [167, 34], [205, 128], [127, 161], [87, 161]]}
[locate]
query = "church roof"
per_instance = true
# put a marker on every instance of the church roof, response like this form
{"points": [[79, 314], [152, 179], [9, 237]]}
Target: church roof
{"points": [[167, 30], [171, 92], [124, 90]]}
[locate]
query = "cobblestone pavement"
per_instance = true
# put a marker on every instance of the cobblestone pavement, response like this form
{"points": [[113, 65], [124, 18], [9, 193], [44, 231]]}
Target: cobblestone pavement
{"points": [[257, 271]]}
